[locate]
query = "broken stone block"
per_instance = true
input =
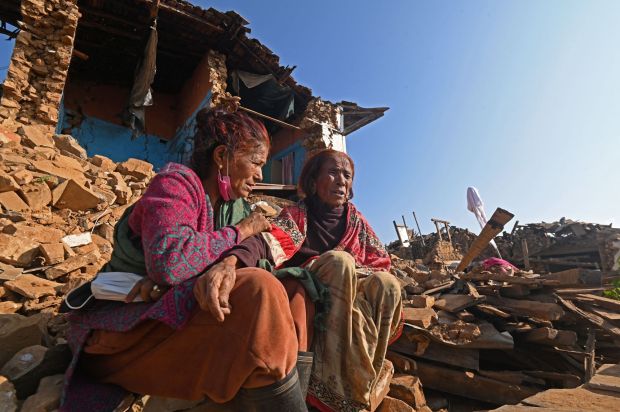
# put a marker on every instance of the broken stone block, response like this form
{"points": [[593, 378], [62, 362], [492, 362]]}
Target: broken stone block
{"points": [[37, 233], [9, 307], [55, 360], [49, 168], [106, 164], [72, 264], [32, 287], [68, 144], [23, 362], [75, 279], [422, 301], [382, 384], [8, 272], [48, 395], [8, 397], [37, 305], [52, 253], [7, 183], [17, 332], [408, 389], [422, 317], [71, 195], [105, 194], [37, 195], [120, 188], [17, 251], [137, 168], [390, 404], [106, 231], [66, 162], [35, 135], [11, 201], [22, 177]]}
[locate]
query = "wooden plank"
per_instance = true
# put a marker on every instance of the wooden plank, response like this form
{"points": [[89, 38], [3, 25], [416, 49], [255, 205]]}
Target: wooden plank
{"points": [[462, 358], [516, 377], [454, 303], [601, 301], [577, 291], [607, 378], [540, 310], [551, 337], [514, 280], [592, 318], [493, 227], [603, 312], [422, 317], [565, 379], [514, 291], [491, 338], [471, 385]]}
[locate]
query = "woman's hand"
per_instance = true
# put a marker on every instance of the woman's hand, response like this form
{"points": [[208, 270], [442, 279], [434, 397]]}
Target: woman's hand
{"points": [[253, 225], [212, 288], [147, 289]]}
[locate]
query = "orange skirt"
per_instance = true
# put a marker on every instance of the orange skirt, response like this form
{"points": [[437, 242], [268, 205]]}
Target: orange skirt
{"points": [[255, 346]]}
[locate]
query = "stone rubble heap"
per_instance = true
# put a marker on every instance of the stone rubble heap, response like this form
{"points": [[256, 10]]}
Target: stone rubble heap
{"points": [[493, 337], [58, 209]]}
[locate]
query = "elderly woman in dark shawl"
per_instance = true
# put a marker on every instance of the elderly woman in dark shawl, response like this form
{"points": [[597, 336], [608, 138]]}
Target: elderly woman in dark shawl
{"points": [[359, 315]]}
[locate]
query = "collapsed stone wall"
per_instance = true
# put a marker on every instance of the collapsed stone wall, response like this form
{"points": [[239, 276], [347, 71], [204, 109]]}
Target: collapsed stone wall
{"points": [[317, 114], [40, 62]]}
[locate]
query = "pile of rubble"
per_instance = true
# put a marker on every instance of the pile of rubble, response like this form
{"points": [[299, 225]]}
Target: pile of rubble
{"points": [[35, 79], [542, 247], [58, 211], [494, 337]]}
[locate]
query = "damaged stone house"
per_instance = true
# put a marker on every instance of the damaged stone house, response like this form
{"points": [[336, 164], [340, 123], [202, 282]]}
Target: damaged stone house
{"points": [[126, 78]]}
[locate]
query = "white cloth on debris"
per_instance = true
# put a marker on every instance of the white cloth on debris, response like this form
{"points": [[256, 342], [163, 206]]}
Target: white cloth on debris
{"points": [[476, 206]]}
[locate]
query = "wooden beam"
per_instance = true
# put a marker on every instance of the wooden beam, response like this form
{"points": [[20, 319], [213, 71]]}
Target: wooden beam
{"points": [[489, 231], [594, 319], [471, 385], [519, 307]]}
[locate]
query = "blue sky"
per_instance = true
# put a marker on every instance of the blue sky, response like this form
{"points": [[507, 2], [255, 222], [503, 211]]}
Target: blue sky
{"points": [[518, 98]]}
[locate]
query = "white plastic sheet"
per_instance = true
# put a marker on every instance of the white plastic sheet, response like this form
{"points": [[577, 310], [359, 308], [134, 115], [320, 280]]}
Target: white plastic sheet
{"points": [[476, 206]]}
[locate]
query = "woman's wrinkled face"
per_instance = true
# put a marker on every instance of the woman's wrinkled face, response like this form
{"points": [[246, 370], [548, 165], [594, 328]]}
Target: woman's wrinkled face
{"points": [[245, 169], [334, 181]]}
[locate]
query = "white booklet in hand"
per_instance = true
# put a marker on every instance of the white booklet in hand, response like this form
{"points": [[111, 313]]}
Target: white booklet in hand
{"points": [[114, 285]]}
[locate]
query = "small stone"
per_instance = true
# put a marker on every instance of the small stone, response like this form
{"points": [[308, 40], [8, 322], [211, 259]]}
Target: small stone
{"points": [[32, 287], [68, 144], [9, 307], [11, 201], [48, 395], [136, 168], [23, 361], [17, 251], [408, 389], [37, 195], [52, 252], [422, 301], [7, 183], [17, 332], [71, 195], [394, 405], [8, 397], [106, 164], [37, 233], [36, 135], [72, 264], [22, 177]]}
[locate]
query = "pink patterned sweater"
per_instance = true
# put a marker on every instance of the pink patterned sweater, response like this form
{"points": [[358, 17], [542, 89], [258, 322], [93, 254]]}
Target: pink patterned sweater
{"points": [[175, 222]]}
